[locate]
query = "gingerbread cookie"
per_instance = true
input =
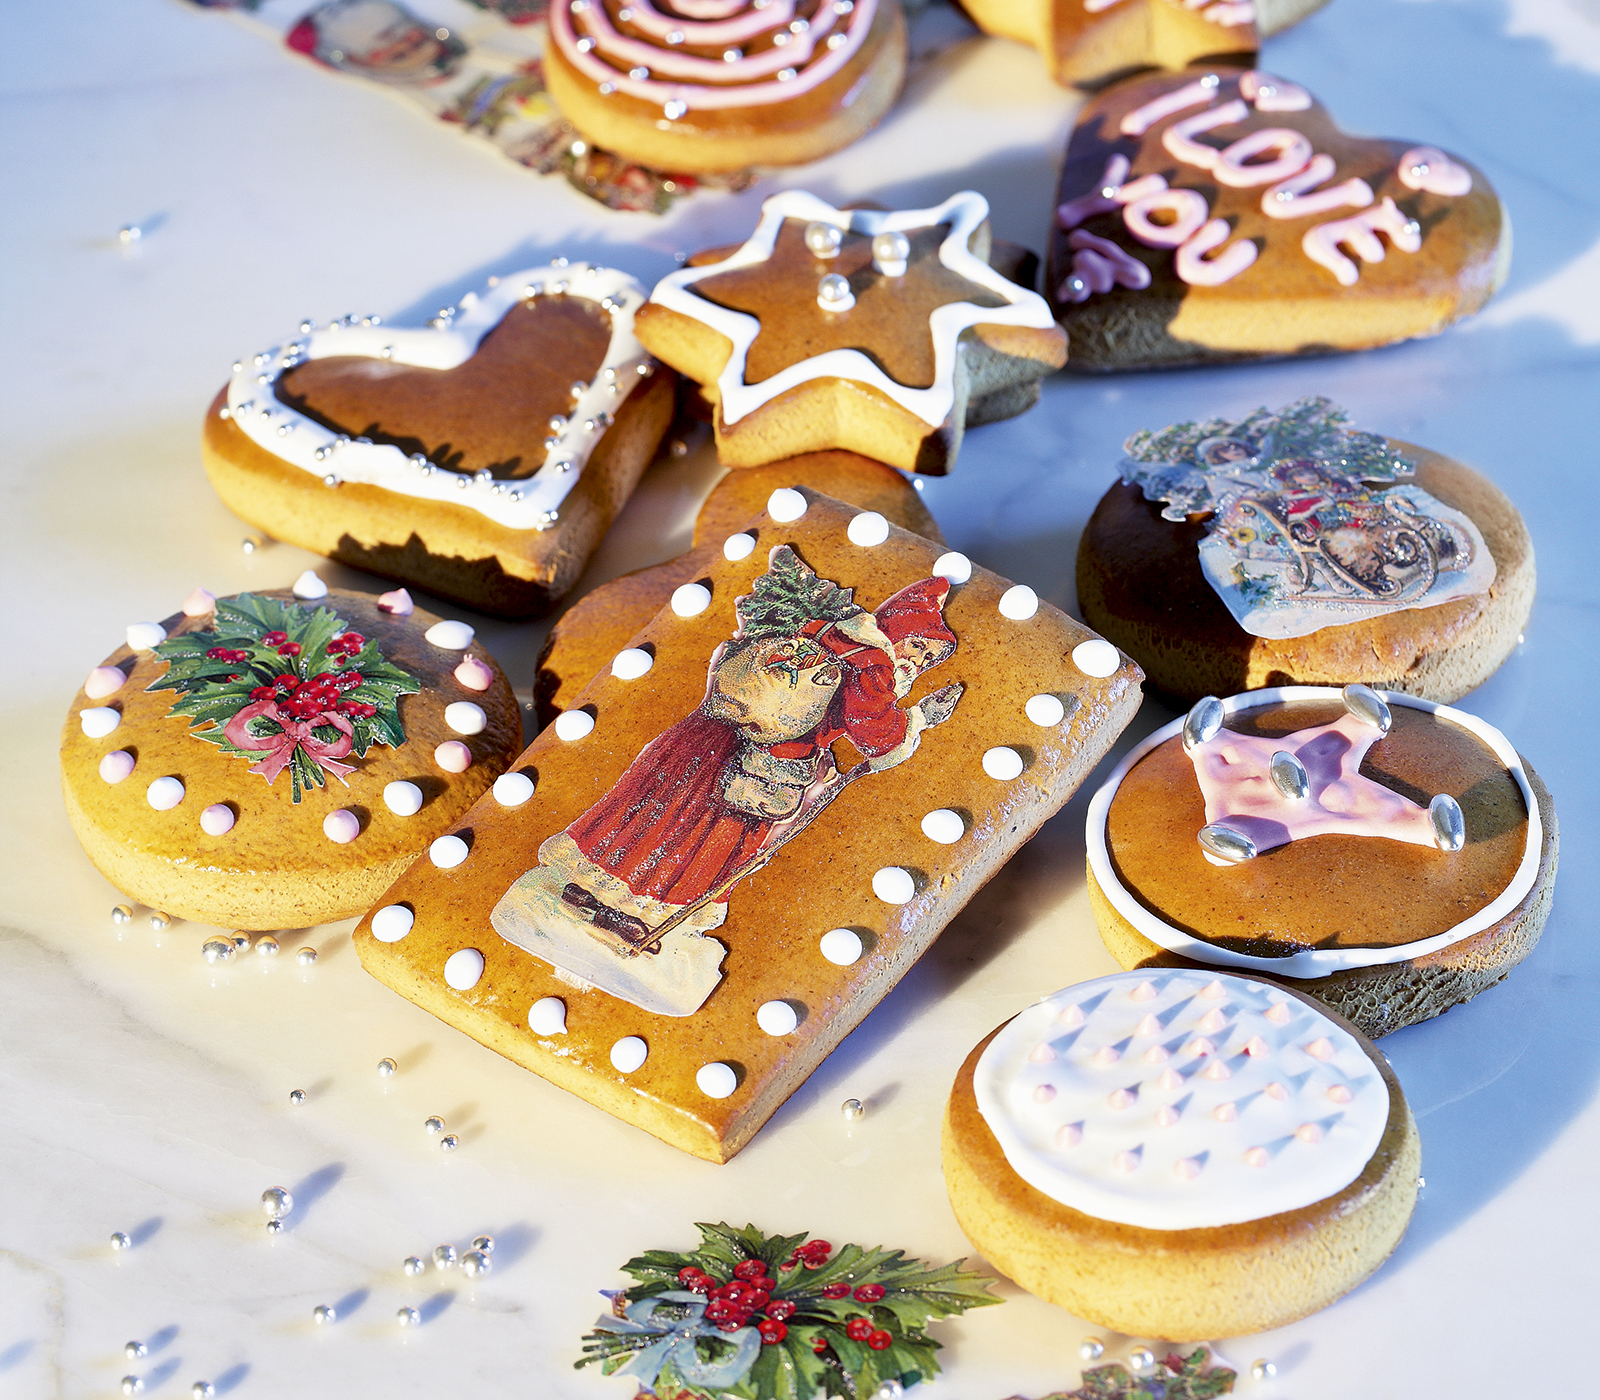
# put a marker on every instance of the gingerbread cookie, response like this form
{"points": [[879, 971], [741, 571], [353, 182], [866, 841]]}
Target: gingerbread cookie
{"points": [[1288, 548], [597, 627], [1181, 1154], [752, 824], [275, 760], [1089, 41], [722, 85], [880, 332], [1388, 856], [1219, 214], [481, 458]]}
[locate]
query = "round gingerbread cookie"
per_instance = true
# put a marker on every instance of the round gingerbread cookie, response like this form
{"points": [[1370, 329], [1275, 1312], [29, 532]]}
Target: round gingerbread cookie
{"points": [[721, 85], [1181, 1154], [1288, 548], [1386, 855], [277, 759]]}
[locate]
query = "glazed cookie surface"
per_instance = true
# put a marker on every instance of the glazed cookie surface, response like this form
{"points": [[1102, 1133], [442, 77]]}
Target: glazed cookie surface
{"points": [[1181, 1154], [748, 828], [481, 457], [1388, 856], [1287, 548], [1220, 214], [274, 760], [881, 332]]}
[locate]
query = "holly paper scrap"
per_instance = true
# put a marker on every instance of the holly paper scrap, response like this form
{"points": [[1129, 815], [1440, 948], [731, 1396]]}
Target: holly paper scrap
{"points": [[1176, 1378], [778, 1317]]}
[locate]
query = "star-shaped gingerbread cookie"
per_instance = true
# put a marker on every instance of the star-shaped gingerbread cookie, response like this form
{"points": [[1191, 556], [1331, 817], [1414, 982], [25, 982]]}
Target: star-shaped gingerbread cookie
{"points": [[882, 332]]}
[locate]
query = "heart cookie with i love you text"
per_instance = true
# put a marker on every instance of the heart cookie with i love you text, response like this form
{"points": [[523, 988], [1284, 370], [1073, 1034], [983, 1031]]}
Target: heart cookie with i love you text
{"points": [[1221, 214]]}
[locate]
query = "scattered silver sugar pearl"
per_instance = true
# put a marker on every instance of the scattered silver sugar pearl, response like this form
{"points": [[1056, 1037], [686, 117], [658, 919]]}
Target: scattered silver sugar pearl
{"points": [[852, 1109], [160, 920], [297, 1096], [449, 1142], [241, 942], [408, 1317], [1091, 1349], [484, 1244], [131, 1385], [121, 914], [202, 1390], [386, 1068], [1422, 1181], [134, 1350], [1141, 1359], [274, 1227], [434, 1125], [217, 950], [444, 1256], [414, 1266], [475, 1262], [891, 1389], [1262, 1369], [251, 543], [267, 946], [129, 233], [276, 1202], [678, 447], [121, 1241], [322, 1314], [306, 957]]}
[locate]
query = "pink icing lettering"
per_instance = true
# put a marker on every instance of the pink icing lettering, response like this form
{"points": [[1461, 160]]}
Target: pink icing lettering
{"points": [[1178, 139], [1141, 119], [1428, 168], [1200, 271], [1360, 233], [1229, 14], [1098, 264], [1292, 149], [1272, 94], [1097, 201], [1187, 207], [1289, 200]]}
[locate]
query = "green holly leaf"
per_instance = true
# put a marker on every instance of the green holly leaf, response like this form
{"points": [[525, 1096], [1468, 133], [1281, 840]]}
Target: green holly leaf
{"points": [[788, 1370]]}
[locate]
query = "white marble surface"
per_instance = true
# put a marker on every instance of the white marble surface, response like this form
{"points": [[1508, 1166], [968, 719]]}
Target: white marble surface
{"points": [[145, 1091]]}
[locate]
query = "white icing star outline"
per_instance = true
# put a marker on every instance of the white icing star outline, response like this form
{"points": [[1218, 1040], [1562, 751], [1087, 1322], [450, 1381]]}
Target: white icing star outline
{"points": [[964, 212], [1313, 962]]}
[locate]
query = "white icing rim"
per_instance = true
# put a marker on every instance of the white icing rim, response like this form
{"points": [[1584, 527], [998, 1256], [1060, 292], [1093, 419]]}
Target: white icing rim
{"points": [[532, 503], [964, 212], [1314, 962]]}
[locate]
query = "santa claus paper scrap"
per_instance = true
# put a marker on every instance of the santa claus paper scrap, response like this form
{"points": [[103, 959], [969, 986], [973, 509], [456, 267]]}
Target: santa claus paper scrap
{"points": [[702, 876]]}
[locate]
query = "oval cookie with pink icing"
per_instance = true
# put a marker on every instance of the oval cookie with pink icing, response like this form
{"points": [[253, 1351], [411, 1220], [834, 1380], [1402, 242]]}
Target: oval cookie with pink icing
{"points": [[273, 760], [1221, 214]]}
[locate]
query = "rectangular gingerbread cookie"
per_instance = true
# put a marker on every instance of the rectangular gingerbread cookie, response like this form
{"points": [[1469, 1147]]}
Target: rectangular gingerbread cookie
{"points": [[701, 877]]}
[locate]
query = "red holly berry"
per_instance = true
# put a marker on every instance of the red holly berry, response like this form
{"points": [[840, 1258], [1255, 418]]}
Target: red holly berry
{"points": [[870, 1292], [820, 1248], [357, 708], [272, 639], [792, 1262], [749, 1268], [836, 1290], [234, 677], [689, 1271], [731, 1324], [289, 649], [700, 1283], [765, 1284], [287, 682], [757, 1300], [781, 1310], [880, 1340], [263, 692], [772, 1331], [226, 654], [819, 1346], [858, 1329], [350, 680]]}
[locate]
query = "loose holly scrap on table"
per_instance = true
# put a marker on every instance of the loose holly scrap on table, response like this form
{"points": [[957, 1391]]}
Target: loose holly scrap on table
{"points": [[778, 1317]]}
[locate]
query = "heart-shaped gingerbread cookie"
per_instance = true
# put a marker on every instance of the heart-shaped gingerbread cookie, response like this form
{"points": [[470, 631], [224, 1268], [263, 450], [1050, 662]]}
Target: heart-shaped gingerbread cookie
{"points": [[1220, 214], [480, 457]]}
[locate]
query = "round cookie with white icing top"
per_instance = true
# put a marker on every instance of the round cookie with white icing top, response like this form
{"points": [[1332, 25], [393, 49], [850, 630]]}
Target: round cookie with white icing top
{"points": [[1221, 214], [481, 457], [1388, 856], [275, 760], [882, 332], [721, 85], [1181, 1154]]}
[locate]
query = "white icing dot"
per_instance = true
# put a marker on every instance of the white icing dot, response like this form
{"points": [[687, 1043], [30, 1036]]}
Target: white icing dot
{"points": [[1096, 657], [217, 819], [1046, 711], [466, 718], [691, 599], [840, 946], [867, 529], [144, 635], [776, 1017], [628, 1054], [403, 799], [944, 826], [447, 852], [513, 789], [954, 566], [104, 681], [116, 765], [463, 968], [1019, 602], [450, 635], [341, 826], [631, 663], [786, 504], [1003, 764], [574, 724], [716, 1080], [309, 586], [392, 923], [164, 794], [453, 756], [99, 720], [737, 547], [893, 885], [548, 1016]]}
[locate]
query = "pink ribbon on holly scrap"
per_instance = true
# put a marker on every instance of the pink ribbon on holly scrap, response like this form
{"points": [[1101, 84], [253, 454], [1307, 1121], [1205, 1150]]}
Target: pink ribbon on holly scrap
{"points": [[279, 748]]}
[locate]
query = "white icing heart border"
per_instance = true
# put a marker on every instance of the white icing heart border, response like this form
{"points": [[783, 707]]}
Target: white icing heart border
{"points": [[447, 342]]}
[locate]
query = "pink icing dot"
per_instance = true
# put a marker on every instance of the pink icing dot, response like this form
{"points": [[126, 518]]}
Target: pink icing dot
{"points": [[474, 674], [1225, 1112], [199, 603], [1043, 1093], [1213, 1021], [1127, 1161], [1105, 1055], [1257, 1046], [1213, 989], [453, 756], [1309, 1132], [398, 603], [1278, 1013], [217, 819], [1187, 1168], [1257, 1157], [103, 681], [116, 766], [1148, 1026], [1320, 1049], [1158, 1054], [1120, 1098], [1169, 1078], [1217, 1070], [1167, 1115], [1276, 1091], [1072, 1016], [1145, 991], [341, 826], [1339, 1093], [1069, 1134], [1200, 1046]]}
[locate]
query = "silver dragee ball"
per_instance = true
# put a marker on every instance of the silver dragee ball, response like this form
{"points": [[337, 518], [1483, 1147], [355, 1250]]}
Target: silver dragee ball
{"points": [[131, 1385], [306, 957], [434, 1125], [217, 950], [276, 1203], [444, 1256], [475, 1262], [1262, 1369], [134, 1350], [1141, 1359], [202, 1390], [413, 1266], [160, 921], [121, 914], [1092, 1349], [386, 1068], [120, 1240], [323, 1314], [449, 1142], [297, 1096], [823, 239], [408, 1317], [852, 1109], [484, 1244], [267, 946]]}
